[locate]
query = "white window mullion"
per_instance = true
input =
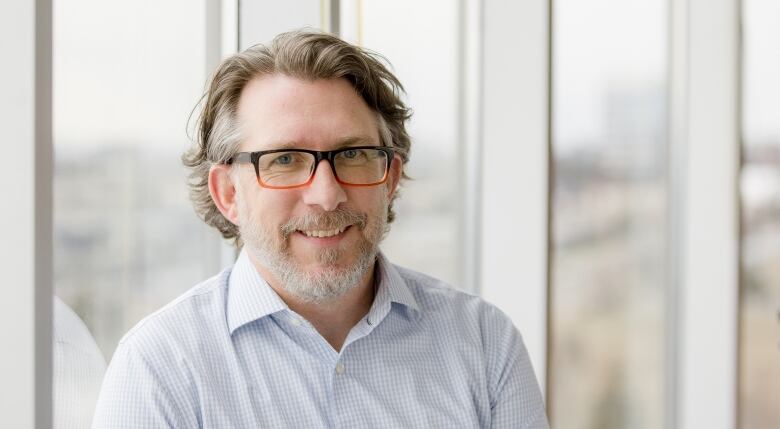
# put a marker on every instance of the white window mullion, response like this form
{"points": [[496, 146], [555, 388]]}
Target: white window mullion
{"points": [[515, 157], [26, 218], [706, 140], [470, 141]]}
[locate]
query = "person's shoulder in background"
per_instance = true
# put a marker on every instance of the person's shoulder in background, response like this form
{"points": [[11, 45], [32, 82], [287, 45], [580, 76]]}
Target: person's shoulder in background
{"points": [[78, 368]]}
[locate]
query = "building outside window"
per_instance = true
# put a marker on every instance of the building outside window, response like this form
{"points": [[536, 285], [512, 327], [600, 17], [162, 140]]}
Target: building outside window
{"points": [[759, 346], [609, 209]]}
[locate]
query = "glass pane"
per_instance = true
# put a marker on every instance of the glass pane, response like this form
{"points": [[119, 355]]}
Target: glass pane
{"points": [[127, 241], [759, 359], [427, 211], [608, 214]]}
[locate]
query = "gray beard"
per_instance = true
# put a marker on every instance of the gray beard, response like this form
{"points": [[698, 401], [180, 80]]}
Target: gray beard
{"points": [[327, 285]]}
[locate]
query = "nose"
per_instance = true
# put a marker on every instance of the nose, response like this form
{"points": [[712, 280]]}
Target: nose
{"points": [[324, 191]]}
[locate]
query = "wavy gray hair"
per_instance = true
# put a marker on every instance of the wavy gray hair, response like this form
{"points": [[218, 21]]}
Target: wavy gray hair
{"points": [[300, 54]]}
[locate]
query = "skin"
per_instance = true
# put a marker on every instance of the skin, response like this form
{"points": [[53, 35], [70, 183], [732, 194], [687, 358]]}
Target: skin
{"points": [[278, 111]]}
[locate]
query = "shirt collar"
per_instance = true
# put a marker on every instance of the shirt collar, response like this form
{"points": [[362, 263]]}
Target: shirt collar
{"points": [[251, 298], [391, 286]]}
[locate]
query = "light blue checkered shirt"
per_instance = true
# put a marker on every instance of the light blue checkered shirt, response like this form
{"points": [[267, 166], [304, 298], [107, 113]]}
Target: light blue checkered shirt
{"points": [[230, 354]]}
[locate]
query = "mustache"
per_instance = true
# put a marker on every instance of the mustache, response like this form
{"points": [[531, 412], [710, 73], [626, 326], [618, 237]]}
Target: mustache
{"points": [[336, 219]]}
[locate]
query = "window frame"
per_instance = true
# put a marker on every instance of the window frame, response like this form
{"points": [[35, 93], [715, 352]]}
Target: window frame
{"points": [[704, 235], [26, 251], [515, 117]]}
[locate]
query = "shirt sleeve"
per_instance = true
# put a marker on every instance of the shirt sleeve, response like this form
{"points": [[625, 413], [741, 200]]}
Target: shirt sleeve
{"points": [[136, 394], [516, 400]]}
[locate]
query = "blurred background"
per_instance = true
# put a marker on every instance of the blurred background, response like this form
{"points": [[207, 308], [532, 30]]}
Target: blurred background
{"points": [[127, 76]]}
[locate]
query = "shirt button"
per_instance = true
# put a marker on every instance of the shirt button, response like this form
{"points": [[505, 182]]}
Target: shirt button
{"points": [[339, 368], [296, 322]]}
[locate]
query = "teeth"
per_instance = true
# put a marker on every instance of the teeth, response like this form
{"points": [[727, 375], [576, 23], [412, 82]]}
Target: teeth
{"points": [[323, 234]]}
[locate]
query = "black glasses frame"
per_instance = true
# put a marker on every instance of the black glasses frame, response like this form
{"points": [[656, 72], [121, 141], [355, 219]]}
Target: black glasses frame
{"points": [[319, 155]]}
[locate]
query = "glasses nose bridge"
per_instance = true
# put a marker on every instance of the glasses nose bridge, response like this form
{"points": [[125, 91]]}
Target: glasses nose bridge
{"points": [[326, 156]]}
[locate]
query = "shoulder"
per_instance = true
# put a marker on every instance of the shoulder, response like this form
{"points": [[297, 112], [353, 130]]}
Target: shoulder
{"points": [[152, 375], [470, 323], [429, 290], [71, 334], [190, 318], [438, 299]]}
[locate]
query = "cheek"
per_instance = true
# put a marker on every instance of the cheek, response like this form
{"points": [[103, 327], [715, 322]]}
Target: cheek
{"points": [[375, 206], [371, 201], [271, 209]]}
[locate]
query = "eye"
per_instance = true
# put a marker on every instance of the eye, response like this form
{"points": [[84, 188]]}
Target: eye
{"points": [[351, 154], [283, 159]]}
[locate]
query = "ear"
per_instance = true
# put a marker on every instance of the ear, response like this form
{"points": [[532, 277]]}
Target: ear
{"points": [[394, 175], [223, 191]]}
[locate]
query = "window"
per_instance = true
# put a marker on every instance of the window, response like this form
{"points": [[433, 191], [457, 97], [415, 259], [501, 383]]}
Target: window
{"points": [[126, 239], [609, 209], [759, 348]]}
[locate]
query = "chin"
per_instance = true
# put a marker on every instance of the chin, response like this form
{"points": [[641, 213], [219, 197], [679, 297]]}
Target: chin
{"points": [[331, 260]]}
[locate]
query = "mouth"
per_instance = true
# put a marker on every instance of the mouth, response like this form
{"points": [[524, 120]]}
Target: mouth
{"points": [[318, 233], [324, 237]]}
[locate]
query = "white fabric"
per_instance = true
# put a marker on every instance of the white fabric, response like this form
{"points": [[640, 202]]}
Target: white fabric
{"points": [[230, 354], [78, 368]]}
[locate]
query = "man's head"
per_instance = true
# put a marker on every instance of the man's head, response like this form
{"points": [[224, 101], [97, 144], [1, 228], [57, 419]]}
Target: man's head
{"points": [[305, 91]]}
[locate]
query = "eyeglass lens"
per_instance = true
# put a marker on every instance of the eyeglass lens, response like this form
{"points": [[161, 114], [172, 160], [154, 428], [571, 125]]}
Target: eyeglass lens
{"points": [[353, 166]]}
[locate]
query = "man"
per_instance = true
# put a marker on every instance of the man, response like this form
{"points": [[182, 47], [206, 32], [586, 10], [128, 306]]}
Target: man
{"points": [[300, 152]]}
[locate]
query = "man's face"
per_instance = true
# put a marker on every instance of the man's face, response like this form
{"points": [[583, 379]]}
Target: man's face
{"points": [[320, 240]]}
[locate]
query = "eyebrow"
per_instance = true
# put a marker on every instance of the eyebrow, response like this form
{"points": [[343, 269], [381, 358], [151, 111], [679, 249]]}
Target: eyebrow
{"points": [[355, 141], [342, 143]]}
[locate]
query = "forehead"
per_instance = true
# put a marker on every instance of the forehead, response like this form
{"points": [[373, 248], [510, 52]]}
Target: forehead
{"points": [[281, 111]]}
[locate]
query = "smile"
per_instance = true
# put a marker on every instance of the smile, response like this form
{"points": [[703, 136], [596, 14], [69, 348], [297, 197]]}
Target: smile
{"points": [[324, 233]]}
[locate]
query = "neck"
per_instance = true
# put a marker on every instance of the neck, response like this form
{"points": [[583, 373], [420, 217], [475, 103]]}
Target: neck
{"points": [[333, 319]]}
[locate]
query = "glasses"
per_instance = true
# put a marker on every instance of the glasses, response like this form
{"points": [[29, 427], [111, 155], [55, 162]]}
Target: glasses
{"points": [[292, 168]]}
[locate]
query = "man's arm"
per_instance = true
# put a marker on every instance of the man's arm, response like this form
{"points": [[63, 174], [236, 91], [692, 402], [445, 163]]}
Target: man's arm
{"points": [[136, 394]]}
